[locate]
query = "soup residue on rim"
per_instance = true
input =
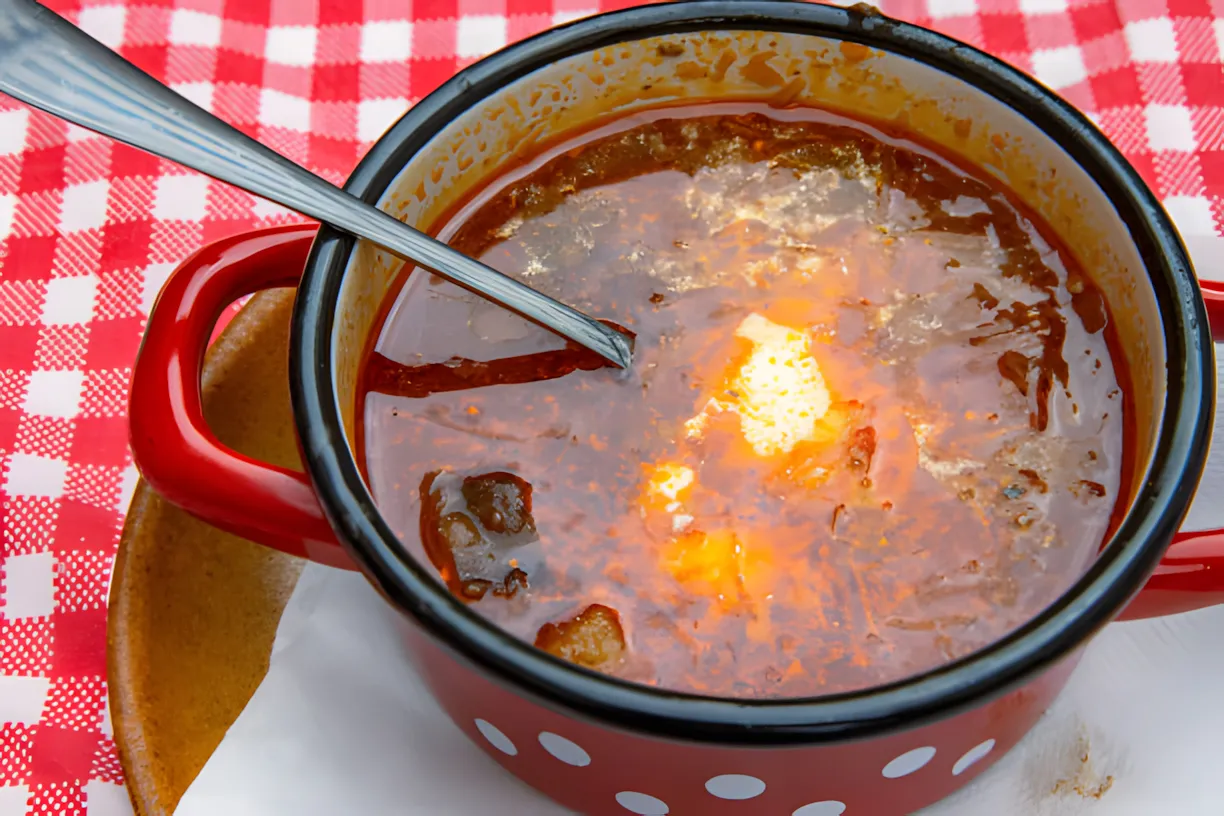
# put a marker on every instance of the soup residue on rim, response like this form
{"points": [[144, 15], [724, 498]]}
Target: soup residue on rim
{"points": [[873, 422]]}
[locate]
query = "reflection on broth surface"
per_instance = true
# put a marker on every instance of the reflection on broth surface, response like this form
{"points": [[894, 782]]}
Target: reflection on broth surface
{"points": [[872, 424]]}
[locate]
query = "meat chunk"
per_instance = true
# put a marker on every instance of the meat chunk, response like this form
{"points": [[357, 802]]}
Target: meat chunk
{"points": [[502, 501], [862, 448], [471, 558], [592, 638]]}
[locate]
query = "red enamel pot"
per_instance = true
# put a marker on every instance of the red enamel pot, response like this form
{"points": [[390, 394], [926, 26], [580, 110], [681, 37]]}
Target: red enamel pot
{"points": [[600, 745]]}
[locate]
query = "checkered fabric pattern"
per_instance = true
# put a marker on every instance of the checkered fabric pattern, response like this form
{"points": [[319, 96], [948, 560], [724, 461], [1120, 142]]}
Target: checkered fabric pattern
{"points": [[89, 230]]}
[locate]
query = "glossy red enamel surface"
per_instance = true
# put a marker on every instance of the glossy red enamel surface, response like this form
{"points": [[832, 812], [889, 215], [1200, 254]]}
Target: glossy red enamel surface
{"points": [[173, 447], [540, 746]]}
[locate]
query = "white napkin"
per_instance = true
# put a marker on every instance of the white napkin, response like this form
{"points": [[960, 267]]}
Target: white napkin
{"points": [[343, 724]]}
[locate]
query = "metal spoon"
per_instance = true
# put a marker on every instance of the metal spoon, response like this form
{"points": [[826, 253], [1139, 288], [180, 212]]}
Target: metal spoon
{"points": [[50, 64]]}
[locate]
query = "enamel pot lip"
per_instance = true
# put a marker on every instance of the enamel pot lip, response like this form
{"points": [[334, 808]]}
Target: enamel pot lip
{"points": [[1117, 574]]}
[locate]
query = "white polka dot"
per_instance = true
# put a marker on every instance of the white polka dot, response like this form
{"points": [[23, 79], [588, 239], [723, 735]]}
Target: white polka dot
{"points": [[565, 750], [972, 756], [829, 808], [496, 738], [642, 804], [909, 762], [735, 786]]}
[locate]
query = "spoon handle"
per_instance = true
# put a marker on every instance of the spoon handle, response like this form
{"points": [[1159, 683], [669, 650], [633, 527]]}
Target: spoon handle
{"points": [[50, 64]]}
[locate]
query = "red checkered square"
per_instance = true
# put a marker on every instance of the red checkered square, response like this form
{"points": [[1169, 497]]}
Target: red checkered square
{"points": [[89, 230], [28, 258], [543, 8], [83, 526], [240, 69], [99, 440], [1211, 162], [80, 643], [1204, 85], [339, 83], [43, 170]]}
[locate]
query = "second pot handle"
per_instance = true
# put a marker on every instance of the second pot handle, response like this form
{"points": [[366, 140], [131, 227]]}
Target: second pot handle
{"points": [[175, 451], [1191, 574]]}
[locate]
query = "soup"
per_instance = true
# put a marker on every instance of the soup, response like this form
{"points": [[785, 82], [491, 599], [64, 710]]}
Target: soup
{"points": [[873, 421]]}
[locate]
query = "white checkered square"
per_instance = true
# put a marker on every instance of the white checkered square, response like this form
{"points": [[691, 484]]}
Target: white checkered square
{"points": [[181, 198], [107, 725], [480, 35], [1218, 27], [1169, 127], [278, 109], [1152, 40], [262, 208], [84, 206], [13, 126], [941, 9], [22, 699], [30, 475], [1043, 6], [189, 27], [569, 15], [13, 798], [386, 41], [291, 45], [69, 301], [201, 93], [1191, 214], [76, 135], [106, 799], [29, 582], [104, 23], [374, 116], [127, 487], [54, 394], [155, 277], [1060, 67]]}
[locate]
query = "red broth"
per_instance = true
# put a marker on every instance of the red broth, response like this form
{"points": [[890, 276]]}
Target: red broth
{"points": [[873, 421]]}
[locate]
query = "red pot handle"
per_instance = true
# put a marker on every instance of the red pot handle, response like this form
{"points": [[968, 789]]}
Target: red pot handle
{"points": [[175, 450], [1191, 574]]}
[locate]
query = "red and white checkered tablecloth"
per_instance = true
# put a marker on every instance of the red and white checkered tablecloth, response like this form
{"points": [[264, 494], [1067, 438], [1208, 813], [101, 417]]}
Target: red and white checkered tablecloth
{"points": [[89, 231]]}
